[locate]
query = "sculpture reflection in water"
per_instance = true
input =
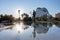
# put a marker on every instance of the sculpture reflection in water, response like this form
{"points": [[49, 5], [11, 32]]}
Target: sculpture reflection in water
{"points": [[57, 24], [40, 28]]}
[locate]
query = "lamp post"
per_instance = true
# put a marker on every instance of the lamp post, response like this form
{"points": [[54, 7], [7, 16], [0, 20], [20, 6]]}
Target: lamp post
{"points": [[19, 14]]}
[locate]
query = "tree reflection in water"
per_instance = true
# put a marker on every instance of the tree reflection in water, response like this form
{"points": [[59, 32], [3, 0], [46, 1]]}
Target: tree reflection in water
{"points": [[35, 29], [21, 27]]}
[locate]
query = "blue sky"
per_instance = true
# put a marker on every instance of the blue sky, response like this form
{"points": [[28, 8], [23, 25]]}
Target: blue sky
{"points": [[11, 6]]}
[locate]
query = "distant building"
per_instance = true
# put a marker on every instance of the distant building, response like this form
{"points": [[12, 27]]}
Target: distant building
{"points": [[41, 12], [57, 15]]}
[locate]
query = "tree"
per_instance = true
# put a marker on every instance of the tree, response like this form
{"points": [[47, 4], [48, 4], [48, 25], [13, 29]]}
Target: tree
{"points": [[6, 18], [34, 14], [1, 18], [25, 15], [1, 15]]}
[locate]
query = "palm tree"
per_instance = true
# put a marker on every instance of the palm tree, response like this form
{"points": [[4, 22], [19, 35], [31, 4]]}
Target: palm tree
{"points": [[19, 14]]}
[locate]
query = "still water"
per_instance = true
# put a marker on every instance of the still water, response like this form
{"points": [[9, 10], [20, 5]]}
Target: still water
{"points": [[24, 31]]}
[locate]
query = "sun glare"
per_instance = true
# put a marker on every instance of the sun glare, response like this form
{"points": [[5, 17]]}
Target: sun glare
{"points": [[19, 28], [21, 12]]}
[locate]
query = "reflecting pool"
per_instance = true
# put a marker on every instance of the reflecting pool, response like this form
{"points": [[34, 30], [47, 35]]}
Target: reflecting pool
{"points": [[31, 31]]}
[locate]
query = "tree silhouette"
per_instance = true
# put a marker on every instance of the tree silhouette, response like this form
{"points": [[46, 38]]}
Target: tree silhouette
{"points": [[34, 14], [6, 18], [25, 15]]}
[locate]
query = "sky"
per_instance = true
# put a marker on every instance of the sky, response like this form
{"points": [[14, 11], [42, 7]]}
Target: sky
{"points": [[27, 6]]}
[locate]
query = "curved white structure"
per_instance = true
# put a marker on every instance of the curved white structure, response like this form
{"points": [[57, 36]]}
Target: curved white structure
{"points": [[41, 12]]}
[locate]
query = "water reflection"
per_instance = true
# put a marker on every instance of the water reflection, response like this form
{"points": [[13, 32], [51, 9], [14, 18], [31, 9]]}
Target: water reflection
{"points": [[40, 28], [30, 31], [57, 24], [20, 27]]}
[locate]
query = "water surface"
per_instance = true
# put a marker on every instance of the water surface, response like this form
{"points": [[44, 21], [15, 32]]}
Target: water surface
{"points": [[23, 31]]}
